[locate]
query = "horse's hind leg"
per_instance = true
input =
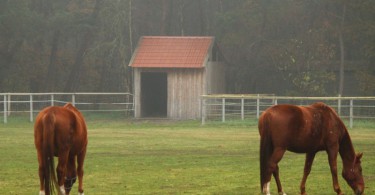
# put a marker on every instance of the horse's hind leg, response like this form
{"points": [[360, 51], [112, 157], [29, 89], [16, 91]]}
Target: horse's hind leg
{"points": [[308, 163], [41, 174], [80, 161]]}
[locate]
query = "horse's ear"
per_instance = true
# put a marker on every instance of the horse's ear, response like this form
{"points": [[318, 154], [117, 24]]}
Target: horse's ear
{"points": [[359, 156]]}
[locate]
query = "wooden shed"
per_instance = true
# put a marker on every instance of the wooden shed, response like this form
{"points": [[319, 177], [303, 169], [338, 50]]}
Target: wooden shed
{"points": [[172, 72]]}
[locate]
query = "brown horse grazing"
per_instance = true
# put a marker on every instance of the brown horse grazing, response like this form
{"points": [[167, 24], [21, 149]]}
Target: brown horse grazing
{"points": [[306, 130], [60, 132]]}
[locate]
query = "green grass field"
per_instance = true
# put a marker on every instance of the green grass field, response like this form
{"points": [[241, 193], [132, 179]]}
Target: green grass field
{"points": [[163, 157]]}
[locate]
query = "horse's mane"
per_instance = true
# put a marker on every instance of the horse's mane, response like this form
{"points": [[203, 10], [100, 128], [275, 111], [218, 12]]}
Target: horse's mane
{"points": [[325, 108], [322, 106]]}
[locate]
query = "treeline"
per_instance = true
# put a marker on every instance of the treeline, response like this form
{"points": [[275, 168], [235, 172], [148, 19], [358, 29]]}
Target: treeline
{"points": [[309, 47]]}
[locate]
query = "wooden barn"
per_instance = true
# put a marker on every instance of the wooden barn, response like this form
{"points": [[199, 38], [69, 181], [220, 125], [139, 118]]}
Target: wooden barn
{"points": [[171, 74]]}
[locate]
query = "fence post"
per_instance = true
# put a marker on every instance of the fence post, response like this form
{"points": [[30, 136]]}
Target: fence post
{"points": [[52, 100], [351, 114], [203, 110], [242, 109], [5, 109], [258, 106], [223, 110], [73, 99], [339, 105], [31, 108], [9, 100]]}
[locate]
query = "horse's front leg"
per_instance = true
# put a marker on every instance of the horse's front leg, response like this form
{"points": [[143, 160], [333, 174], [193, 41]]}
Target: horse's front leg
{"points": [[308, 163], [277, 179], [332, 158], [61, 170], [71, 174], [273, 169]]}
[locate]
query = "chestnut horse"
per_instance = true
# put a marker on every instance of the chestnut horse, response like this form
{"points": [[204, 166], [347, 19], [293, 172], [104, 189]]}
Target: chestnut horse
{"points": [[307, 130], [60, 132]]}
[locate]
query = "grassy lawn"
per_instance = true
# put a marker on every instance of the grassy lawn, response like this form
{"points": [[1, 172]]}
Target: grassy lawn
{"points": [[143, 157]]}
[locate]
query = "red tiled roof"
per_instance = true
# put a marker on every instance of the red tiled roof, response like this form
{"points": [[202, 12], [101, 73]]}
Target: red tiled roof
{"points": [[171, 52]]}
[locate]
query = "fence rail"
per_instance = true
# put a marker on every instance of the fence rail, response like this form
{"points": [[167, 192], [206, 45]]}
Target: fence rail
{"points": [[227, 107], [32, 103], [214, 107]]}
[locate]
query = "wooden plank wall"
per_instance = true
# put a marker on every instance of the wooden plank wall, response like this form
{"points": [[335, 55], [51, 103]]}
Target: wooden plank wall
{"points": [[185, 86]]}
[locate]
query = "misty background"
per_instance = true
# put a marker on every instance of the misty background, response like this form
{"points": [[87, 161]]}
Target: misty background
{"points": [[282, 47]]}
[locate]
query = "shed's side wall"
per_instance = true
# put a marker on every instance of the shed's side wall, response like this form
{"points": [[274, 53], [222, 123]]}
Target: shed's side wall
{"points": [[185, 86], [215, 75]]}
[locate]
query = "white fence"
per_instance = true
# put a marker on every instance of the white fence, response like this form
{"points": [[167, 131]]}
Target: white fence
{"points": [[214, 107], [21, 104], [241, 107]]}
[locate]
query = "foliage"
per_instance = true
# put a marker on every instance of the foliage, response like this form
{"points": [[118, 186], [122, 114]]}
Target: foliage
{"points": [[366, 82], [313, 83]]}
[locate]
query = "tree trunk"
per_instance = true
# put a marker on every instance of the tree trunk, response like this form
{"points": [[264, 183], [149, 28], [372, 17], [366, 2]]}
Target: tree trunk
{"points": [[130, 27], [76, 71], [52, 77], [342, 54], [165, 17], [181, 16]]}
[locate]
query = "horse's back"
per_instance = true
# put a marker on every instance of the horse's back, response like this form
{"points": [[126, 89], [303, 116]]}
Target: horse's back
{"points": [[282, 116], [296, 128]]}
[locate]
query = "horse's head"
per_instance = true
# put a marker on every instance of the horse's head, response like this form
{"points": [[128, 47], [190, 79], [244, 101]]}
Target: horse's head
{"points": [[70, 177], [353, 175]]}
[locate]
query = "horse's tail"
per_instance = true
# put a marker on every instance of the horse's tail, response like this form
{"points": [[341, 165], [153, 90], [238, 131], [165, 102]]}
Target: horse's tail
{"points": [[50, 181], [266, 146]]}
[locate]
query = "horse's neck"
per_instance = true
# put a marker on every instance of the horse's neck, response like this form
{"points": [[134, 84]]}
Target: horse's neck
{"points": [[346, 150]]}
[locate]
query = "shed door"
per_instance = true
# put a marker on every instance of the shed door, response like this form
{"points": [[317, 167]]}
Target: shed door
{"points": [[154, 94]]}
